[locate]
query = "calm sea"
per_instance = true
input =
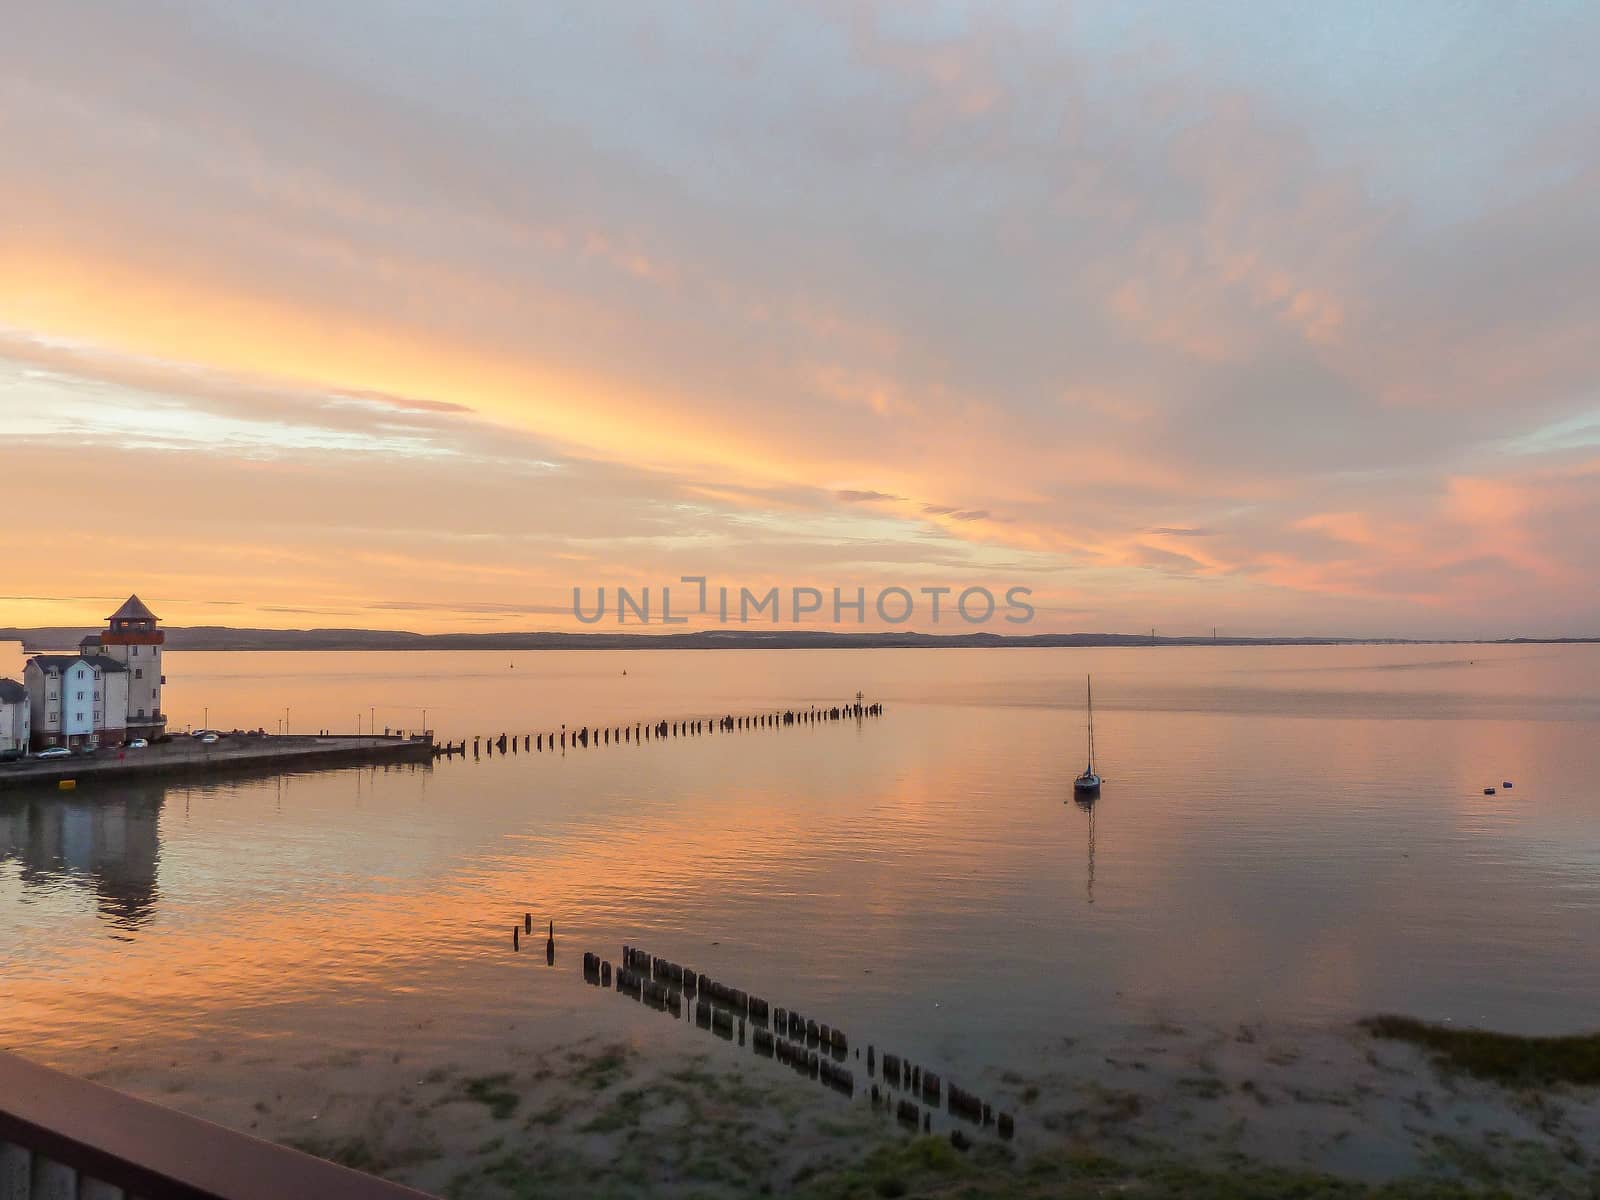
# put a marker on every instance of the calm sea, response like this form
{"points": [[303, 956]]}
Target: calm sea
{"points": [[1284, 833]]}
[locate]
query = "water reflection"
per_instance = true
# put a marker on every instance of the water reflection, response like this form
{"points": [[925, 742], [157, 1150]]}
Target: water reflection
{"points": [[108, 846], [1086, 803], [1282, 863]]}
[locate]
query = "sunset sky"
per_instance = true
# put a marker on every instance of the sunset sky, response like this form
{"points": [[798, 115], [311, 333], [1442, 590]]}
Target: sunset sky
{"points": [[1278, 318]]}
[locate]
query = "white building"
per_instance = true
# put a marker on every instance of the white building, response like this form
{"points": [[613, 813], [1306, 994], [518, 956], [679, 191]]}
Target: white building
{"points": [[16, 718], [107, 693], [132, 638], [77, 700]]}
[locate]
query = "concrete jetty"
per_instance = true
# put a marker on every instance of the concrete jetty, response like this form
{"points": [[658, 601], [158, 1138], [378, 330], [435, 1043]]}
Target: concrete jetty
{"points": [[234, 754]]}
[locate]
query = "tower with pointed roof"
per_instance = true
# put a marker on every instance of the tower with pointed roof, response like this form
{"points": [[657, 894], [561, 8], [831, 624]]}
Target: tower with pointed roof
{"points": [[133, 637]]}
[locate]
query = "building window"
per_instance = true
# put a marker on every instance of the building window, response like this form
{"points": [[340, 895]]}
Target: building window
{"points": [[80, 695], [138, 672], [50, 716], [97, 693], [136, 650], [141, 712], [97, 716]]}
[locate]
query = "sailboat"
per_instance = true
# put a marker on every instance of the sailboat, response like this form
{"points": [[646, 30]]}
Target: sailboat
{"points": [[1087, 785]]}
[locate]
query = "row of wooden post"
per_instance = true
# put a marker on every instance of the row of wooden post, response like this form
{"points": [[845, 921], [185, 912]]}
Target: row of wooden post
{"points": [[640, 732], [810, 1048]]}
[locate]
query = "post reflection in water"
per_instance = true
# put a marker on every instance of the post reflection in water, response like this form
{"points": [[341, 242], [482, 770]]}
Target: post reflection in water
{"points": [[107, 846]]}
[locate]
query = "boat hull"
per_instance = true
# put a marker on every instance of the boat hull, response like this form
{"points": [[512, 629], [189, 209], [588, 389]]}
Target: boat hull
{"points": [[1086, 785]]}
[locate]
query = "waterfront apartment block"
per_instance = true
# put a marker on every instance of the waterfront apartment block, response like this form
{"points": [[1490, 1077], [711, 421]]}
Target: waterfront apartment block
{"points": [[107, 693], [76, 700]]}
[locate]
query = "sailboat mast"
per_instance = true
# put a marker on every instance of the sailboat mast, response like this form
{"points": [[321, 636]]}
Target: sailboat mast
{"points": [[1089, 683]]}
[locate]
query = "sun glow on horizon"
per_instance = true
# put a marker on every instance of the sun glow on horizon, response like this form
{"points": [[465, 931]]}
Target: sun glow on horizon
{"points": [[1184, 340]]}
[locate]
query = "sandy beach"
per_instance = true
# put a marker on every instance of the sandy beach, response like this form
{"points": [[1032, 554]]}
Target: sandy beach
{"points": [[1166, 1110]]}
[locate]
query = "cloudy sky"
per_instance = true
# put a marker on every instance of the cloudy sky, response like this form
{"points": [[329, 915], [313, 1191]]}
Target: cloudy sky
{"points": [[1279, 318]]}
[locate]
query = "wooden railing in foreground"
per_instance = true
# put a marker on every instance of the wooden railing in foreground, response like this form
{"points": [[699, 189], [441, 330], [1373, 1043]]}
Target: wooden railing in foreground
{"points": [[63, 1138]]}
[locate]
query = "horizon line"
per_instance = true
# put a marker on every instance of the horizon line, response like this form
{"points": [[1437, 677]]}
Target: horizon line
{"points": [[35, 638]]}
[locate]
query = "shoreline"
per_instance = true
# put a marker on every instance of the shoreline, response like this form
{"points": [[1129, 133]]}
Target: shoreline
{"points": [[1162, 1111]]}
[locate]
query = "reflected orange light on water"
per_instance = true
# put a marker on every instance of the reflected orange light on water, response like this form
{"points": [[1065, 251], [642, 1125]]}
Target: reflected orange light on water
{"points": [[1286, 833]]}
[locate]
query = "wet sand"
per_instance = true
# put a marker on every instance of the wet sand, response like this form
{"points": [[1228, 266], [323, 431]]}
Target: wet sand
{"points": [[607, 1115]]}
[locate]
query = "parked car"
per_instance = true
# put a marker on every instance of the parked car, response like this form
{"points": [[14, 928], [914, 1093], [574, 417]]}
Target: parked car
{"points": [[209, 739], [10, 755], [54, 752], [138, 744]]}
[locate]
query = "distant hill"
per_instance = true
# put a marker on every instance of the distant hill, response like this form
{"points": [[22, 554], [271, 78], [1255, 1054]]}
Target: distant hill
{"points": [[219, 637]]}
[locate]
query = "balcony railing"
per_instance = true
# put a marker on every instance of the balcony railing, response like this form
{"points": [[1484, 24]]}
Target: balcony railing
{"points": [[64, 1138]]}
